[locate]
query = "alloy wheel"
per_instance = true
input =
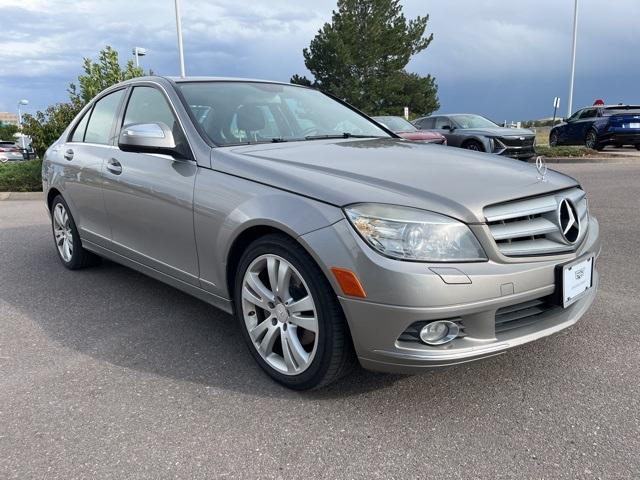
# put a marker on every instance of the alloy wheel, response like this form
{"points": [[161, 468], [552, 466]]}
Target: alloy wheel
{"points": [[280, 314], [62, 232], [591, 140]]}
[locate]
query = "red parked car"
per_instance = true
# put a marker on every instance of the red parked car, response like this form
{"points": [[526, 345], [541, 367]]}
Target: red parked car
{"points": [[400, 126]]}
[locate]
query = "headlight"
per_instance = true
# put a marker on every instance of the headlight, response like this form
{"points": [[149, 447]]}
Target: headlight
{"points": [[411, 234]]}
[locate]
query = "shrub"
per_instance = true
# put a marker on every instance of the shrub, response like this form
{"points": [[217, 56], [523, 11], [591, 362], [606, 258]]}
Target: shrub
{"points": [[564, 151], [21, 176]]}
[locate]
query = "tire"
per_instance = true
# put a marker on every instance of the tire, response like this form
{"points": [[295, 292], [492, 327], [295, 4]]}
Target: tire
{"points": [[327, 354], [474, 145], [66, 238], [553, 139], [638, 146], [591, 141]]}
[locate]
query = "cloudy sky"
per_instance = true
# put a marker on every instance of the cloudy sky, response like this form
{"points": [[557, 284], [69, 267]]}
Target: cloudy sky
{"points": [[506, 59]]}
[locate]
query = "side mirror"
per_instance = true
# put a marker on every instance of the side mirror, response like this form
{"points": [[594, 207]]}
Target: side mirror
{"points": [[147, 137]]}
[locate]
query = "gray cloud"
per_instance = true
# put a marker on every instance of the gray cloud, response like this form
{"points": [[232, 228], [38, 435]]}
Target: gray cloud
{"points": [[504, 58]]}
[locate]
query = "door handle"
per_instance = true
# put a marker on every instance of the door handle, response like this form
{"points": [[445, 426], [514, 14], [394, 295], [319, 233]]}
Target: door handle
{"points": [[68, 154], [114, 166]]}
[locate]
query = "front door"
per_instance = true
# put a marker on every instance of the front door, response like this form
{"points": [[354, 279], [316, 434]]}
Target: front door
{"points": [[149, 197]]}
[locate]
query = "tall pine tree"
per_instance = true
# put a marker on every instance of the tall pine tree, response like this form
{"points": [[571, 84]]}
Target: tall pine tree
{"points": [[362, 54]]}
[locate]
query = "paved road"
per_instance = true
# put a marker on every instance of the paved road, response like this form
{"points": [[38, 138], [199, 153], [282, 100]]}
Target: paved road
{"points": [[106, 373]]}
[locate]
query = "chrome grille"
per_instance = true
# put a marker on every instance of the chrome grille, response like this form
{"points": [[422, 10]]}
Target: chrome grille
{"points": [[515, 141], [532, 226]]}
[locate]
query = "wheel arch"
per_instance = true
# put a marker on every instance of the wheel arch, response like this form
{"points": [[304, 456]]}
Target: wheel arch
{"points": [[479, 140], [51, 194]]}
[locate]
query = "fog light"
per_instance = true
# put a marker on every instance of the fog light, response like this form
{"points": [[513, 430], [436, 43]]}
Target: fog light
{"points": [[439, 332]]}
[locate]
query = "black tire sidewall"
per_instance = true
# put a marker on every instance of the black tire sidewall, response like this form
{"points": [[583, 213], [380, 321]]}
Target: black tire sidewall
{"points": [[76, 260], [474, 143], [591, 133], [322, 296], [553, 143]]}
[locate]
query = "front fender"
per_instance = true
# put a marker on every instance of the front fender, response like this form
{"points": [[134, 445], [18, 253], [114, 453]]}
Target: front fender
{"points": [[225, 206]]}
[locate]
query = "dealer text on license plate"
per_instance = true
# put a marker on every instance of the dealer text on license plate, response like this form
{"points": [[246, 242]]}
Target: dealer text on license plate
{"points": [[577, 279]]}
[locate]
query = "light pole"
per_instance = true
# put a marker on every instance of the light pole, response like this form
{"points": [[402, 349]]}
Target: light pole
{"points": [[138, 52], [20, 104], [179, 29], [573, 58]]}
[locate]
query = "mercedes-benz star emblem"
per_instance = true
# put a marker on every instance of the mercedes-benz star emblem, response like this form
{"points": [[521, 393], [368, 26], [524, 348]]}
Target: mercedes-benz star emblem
{"points": [[541, 166], [569, 221]]}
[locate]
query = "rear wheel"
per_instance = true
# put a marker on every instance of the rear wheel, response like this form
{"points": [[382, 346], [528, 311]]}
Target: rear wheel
{"points": [[474, 145], [290, 316], [591, 141], [66, 238]]}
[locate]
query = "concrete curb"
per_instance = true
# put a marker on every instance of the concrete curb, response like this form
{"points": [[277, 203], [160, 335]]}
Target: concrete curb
{"points": [[21, 196]]}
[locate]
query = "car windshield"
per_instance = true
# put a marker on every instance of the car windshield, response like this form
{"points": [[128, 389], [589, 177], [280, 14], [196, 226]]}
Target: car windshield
{"points": [[396, 124], [472, 121], [232, 113]]}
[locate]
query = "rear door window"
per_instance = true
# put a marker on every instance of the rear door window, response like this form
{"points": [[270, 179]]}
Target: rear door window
{"points": [[588, 113], [102, 118]]}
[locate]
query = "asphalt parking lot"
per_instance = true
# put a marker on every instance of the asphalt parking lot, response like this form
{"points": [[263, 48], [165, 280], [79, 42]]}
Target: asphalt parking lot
{"points": [[105, 373]]}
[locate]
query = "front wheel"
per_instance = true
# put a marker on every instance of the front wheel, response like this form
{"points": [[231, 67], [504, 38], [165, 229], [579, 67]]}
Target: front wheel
{"points": [[591, 141], [553, 139], [67, 239], [474, 145], [638, 146], [290, 316]]}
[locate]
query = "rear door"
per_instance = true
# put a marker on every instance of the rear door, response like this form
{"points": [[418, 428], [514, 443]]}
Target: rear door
{"points": [[83, 155], [149, 197]]}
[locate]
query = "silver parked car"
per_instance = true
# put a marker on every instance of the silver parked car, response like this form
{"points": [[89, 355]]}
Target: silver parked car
{"points": [[327, 236]]}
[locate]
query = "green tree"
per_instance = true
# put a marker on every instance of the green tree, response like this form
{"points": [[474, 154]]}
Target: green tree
{"points": [[45, 127], [100, 75], [362, 54], [7, 131]]}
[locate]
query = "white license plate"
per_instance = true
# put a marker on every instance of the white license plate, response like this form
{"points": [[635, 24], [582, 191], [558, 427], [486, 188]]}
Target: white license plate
{"points": [[577, 279], [634, 125]]}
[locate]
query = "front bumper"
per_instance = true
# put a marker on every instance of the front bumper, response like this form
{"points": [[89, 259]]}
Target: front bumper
{"points": [[402, 293]]}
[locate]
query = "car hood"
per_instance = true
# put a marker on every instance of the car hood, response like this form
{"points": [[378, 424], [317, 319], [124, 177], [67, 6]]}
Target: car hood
{"points": [[454, 182], [420, 135], [497, 132]]}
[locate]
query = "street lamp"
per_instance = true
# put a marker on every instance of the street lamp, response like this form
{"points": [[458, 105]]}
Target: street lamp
{"points": [[179, 29], [20, 104], [138, 52], [573, 58]]}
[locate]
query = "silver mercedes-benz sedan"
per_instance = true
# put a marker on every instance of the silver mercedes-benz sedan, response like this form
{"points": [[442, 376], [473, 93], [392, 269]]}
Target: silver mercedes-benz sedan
{"points": [[327, 236]]}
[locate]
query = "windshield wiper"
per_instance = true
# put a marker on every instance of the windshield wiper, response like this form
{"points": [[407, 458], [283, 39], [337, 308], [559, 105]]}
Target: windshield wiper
{"points": [[339, 135]]}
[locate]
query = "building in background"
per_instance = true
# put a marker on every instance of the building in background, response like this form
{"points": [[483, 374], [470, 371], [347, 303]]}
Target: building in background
{"points": [[8, 118]]}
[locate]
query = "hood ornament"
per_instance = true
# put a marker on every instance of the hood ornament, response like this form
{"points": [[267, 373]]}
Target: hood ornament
{"points": [[541, 166]]}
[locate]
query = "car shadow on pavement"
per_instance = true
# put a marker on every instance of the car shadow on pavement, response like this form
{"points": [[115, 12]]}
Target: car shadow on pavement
{"points": [[125, 318]]}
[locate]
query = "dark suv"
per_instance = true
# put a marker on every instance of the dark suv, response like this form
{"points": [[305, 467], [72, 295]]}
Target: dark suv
{"points": [[475, 132], [597, 127]]}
